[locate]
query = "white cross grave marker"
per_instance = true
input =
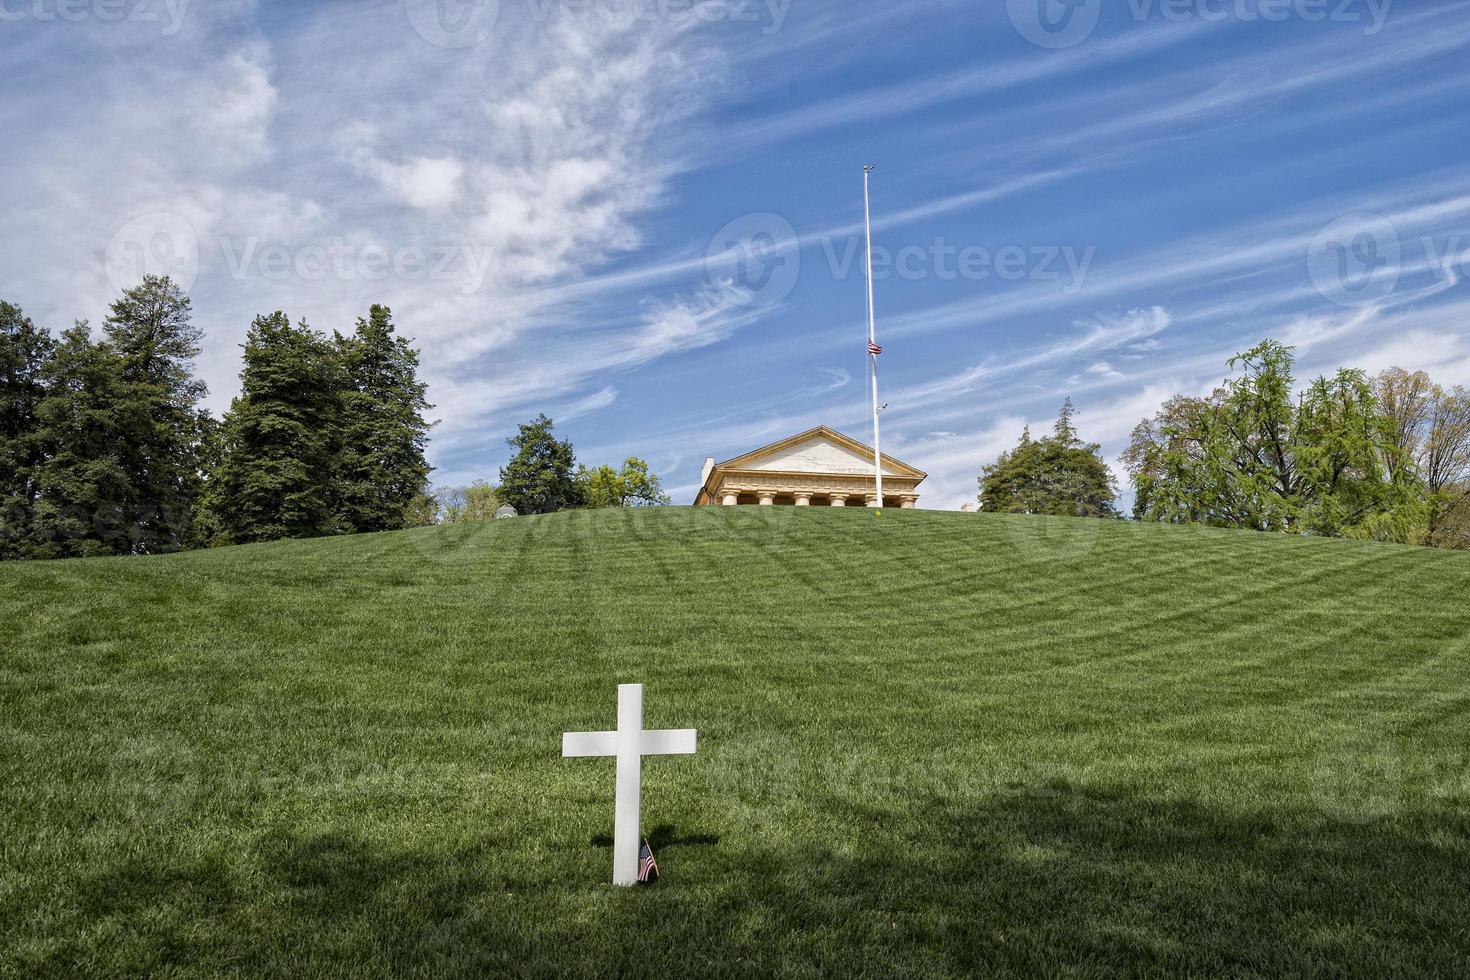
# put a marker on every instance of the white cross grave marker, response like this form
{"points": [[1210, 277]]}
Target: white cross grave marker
{"points": [[630, 743]]}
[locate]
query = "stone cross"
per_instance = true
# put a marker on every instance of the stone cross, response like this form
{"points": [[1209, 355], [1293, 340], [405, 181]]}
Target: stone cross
{"points": [[630, 743]]}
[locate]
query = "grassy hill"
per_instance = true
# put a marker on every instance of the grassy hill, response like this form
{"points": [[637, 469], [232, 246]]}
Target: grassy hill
{"points": [[929, 743]]}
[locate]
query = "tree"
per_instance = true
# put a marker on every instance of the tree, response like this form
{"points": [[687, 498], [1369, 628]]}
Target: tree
{"points": [[1405, 402], [632, 486], [87, 503], [25, 350], [1428, 427], [539, 479], [1339, 449], [1449, 525], [1445, 456], [421, 511], [477, 502], [1256, 455], [1168, 444], [1058, 474], [641, 487], [381, 467], [150, 330], [279, 438]]}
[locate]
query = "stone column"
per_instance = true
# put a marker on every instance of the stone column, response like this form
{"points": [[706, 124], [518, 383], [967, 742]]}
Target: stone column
{"points": [[768, 499], [839, 500], [731, 499], [875, 503], [803, 499], [908, 501]]}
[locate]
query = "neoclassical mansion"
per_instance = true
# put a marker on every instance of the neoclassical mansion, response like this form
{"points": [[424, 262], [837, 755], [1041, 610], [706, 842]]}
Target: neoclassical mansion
{"points": [[820, 467]]}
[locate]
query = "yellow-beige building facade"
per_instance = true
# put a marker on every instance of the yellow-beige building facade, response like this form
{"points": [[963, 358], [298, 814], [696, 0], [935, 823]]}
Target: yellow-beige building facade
{"points": [[817, 468]]}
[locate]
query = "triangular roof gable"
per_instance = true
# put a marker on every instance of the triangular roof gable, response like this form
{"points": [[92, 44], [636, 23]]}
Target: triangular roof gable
{"points": [[748, 460]]}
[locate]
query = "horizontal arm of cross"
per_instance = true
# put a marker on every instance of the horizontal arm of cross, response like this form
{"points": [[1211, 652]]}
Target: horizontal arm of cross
{"points": [[668, 741]]}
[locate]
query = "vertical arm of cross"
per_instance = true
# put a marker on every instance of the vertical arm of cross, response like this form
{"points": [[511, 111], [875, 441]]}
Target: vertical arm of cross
{"points": [[630, 775]]}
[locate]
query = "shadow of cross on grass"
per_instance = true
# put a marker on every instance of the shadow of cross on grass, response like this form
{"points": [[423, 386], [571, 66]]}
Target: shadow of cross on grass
{"points": [[662, 836]]}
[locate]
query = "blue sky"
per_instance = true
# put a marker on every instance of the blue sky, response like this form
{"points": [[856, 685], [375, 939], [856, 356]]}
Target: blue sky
{"points": [[643, 217]]}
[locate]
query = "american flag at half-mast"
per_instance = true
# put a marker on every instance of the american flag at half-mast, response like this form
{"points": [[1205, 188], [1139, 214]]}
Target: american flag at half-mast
{"points": [[874, 349], [647, 866]]}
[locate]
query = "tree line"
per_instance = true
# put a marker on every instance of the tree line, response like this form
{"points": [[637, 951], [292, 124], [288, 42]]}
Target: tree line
{"points": [[1384, 457], [105, 450], [543, 476]]}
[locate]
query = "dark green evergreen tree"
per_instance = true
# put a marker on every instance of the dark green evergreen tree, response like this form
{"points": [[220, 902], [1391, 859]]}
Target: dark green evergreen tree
{"points": [[540, 477], [24, 352], [87, 503], [1059, 474], [151, 332], [381, 470], [278, 442]]}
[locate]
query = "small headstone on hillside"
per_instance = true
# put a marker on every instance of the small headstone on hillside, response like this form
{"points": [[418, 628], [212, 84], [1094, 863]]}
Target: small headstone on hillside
{"points": [[506, 511]]}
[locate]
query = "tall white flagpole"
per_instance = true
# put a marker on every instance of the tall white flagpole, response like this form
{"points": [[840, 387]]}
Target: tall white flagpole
{"points": [[872, 336]]}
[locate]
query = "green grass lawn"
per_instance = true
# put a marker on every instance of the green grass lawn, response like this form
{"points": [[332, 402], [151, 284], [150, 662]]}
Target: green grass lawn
{"points": [[929, 744]]}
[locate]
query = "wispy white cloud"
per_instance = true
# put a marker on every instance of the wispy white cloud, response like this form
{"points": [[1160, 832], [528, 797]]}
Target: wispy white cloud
{"points": [[534, 165]]}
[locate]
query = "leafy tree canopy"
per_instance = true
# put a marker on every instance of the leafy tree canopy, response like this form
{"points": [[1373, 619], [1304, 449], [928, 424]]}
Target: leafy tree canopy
{"points": [[632, 486], [1336, 458], [477, 502], [1058, 474], [540, 478]]}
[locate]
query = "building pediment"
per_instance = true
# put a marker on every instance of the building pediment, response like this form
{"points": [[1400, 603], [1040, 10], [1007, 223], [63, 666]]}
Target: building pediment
{"points": [[819, 450], [821, 458]]}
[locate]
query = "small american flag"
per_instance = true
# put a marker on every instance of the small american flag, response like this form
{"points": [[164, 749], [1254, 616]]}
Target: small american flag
{"points": [[874, 349], [647, 866]]}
